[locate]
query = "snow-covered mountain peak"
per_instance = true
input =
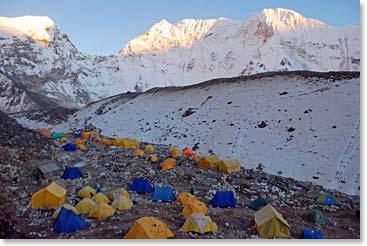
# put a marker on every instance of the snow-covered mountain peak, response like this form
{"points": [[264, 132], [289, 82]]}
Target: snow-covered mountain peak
{"points": [[285, 20], [163, 36], [37, 56], [38, 28], [162, 27]]}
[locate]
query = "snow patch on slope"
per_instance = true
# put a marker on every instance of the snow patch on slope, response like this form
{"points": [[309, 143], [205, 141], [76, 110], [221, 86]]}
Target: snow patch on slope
{"points": [[304, 127]]}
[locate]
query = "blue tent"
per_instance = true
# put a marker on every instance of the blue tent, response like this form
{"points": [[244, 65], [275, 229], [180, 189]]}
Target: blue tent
{"points": [[312, 234], [258, 203], [327, 199], [78, 135], [69, 147], [142, 186], [72, 173], [68, 221], [164, 194], [224, 199]]}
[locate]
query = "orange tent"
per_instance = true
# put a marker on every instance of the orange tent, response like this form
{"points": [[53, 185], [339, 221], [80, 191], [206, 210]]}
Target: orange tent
{"points": [[63, 140], [149, 228], [139, 152], [79, 141], [175, 152], [87, 134], [107, 141], [168, 164], [194, 207], [188, 152], [97, 139], [45, 132], [81, 147], [196, 157]]}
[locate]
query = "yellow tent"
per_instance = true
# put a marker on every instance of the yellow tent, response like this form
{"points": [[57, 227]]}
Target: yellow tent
{"points": [[68, 207], [118, 191], [229, 166], [122, 203], [63, 140], [186, 197], [168, 164], [209, 161], [175, 152], [152, 158], [199, 223], [100, 197], [271, 224], [138, 152], [86, 192], [86, 205], [87, 134], [149, 148], [194, 207], [126, 143], [102, 211], [79, 141], [149, 228], [52, 196]]}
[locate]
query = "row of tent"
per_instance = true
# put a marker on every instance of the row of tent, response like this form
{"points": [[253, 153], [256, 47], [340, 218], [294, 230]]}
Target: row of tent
{"points": [[268, 221], [151, 228], [211, 161], [67, 217]]}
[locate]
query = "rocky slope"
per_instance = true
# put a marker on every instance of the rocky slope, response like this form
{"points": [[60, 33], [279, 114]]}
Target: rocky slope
{"points": [[36, 54], [113, 167], [303, 125]]}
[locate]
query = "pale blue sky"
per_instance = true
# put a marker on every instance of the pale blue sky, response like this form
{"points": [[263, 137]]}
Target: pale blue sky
{"points": [[105, 26]]}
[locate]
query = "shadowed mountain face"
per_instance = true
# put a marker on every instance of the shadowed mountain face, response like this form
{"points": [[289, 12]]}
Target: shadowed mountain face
{"points": [[15, 97], [44, 61]]}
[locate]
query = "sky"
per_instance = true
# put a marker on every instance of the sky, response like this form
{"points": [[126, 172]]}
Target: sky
{"points": [[103, 27]]}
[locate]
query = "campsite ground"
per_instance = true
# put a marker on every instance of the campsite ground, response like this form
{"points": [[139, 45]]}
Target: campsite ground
{"points": [[114, 167]]}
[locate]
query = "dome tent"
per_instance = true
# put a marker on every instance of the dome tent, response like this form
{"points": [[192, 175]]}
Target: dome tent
{"points": [[258, 203], [142, 186], [72, 173], [224, 199], [68, 222], [149, 228], [164, 194]]}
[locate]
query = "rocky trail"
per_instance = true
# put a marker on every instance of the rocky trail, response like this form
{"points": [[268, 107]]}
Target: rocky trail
{"points": [[23, 150]]}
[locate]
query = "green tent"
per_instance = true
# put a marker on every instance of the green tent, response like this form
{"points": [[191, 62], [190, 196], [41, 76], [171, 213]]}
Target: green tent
{"points": [[315, 216], [57, 135]]}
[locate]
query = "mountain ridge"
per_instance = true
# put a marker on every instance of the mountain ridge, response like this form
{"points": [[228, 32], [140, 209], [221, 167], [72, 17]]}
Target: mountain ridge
{"points": [[183, 53]]}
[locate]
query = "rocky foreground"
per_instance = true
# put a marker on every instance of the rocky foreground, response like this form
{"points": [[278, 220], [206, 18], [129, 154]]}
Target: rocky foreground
{"points": [[23, 150]]}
